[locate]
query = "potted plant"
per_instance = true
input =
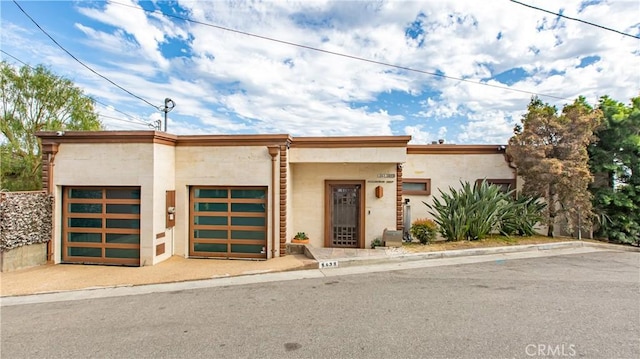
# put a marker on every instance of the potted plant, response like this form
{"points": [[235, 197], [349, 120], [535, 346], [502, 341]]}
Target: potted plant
{"points": [[377, 243], [301, 238]]}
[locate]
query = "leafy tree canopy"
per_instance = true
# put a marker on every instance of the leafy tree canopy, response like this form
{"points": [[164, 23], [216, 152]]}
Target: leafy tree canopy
{"points": [[35, 99], [550, 152], [615, 161]]}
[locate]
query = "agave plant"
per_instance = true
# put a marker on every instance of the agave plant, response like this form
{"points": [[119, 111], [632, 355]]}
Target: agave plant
{"points": [[524, 214], [472, 212]]}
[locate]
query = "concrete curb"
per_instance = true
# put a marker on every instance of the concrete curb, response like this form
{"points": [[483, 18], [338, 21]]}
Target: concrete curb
{"points": [[390, 258]]}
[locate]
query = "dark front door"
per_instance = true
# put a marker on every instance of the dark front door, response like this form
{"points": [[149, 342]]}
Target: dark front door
{"points": [[344, 214]]}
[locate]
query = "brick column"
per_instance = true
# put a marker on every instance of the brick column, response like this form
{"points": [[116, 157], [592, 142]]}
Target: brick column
{"points": [[49, 151], [283, 199], [399, 214]]}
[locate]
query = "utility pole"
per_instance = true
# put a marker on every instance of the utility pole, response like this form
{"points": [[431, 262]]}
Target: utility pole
{"points": [[168, 106]]}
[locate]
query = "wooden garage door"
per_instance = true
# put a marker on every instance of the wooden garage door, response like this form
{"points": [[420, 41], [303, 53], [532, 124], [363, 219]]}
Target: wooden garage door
{"points": [[101, 225], [228, 222]]}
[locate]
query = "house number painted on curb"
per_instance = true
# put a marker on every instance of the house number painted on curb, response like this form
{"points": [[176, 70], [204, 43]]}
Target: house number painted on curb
{"points": [[328, 264]]}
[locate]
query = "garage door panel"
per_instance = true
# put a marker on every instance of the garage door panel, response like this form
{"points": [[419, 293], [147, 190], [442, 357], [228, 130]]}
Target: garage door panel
{"points": [[129, 238], [79, 193], [85, 208], [81, 252], [247, 248], [248, 207], [123, 193], [123, 208], [210, 234], [206, 246], [84, 222], [210, 220], [85, 237], [229, 221], [122, 253], [122, 223], [259, 221], [211, 193], [101, 225], [254, 235], [247, 193], [211, 207]]}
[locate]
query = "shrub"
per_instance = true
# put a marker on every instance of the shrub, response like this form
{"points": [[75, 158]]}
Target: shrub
{"points": [[522, 216], [377, 242], [424, 230], [472, 212]]}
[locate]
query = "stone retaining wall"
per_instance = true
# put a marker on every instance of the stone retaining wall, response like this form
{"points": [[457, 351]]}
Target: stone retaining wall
{"points": [[25, 221]]}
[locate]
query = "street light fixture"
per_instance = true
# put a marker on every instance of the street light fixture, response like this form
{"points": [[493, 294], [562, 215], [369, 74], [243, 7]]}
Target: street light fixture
{"points": [[168, 106]]}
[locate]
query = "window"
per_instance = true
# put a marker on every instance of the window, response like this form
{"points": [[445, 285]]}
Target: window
{"points": [[505, 185], [416, 186]]}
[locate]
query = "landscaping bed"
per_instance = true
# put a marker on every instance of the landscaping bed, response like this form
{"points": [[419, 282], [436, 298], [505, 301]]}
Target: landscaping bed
{"points": [[493, 241]]}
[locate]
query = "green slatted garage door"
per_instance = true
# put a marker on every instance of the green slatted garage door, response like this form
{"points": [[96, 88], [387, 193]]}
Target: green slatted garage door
{"points": [[228, 222], [101, 225]]}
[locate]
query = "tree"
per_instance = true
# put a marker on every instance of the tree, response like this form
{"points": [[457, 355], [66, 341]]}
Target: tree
{"points": [[615, 161], [550, 152], [35, 99]]}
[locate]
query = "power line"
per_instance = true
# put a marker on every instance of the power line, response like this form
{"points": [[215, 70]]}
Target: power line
{"points": [[123, 120], [116, 110], [80, 62], [15, 58], [92, 98], [341, 54], [575, 19]]}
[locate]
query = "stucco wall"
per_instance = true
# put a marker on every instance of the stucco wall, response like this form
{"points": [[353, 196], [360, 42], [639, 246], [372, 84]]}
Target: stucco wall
{"points": [[104, 164], [217, 166], [349, 155], [448, 170], [308, 197], [164, 180]]}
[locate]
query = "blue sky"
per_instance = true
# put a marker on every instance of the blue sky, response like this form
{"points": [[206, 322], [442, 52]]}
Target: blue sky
{"points": [[224, 82]]}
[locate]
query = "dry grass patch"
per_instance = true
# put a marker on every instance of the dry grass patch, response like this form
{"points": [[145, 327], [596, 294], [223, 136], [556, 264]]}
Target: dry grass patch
{"points": [[494, 241]]}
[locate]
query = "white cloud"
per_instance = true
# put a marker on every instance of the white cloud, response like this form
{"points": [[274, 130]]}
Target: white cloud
{"points": [[147, 34], [418, 135], [229, 83], [493, 127]]}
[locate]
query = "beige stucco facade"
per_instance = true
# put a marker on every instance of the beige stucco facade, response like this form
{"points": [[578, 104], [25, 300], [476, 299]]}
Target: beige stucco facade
{"points": [[450, 170], [298, 175], [218, 166], [99, 164], [309, 198]]}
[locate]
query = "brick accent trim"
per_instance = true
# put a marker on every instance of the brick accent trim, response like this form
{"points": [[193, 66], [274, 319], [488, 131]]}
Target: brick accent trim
{"points": [[283, 199], [399, 214], [49, 151]]}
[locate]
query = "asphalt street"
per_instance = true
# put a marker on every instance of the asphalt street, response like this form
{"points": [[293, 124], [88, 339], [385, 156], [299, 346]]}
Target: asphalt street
{"points": [[581, 305]]}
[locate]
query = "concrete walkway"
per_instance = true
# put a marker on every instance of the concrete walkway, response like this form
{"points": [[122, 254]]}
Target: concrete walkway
{"points": [[207, 272]]}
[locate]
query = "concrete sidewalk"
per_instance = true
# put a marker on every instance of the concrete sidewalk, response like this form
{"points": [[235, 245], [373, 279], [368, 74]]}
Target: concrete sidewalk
{"points": [[73, 277]]}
